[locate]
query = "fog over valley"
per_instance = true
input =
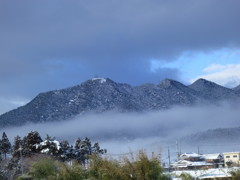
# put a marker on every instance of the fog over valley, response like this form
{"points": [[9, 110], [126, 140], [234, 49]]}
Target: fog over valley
{"points": [[123, 132]]}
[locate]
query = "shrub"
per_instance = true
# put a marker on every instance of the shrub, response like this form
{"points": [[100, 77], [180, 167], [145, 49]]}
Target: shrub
{"points": [[73, 172], [130, 168], [139, 167], [142, 167], [44, 168], [104, 169], [235, 174], [186, 176]]}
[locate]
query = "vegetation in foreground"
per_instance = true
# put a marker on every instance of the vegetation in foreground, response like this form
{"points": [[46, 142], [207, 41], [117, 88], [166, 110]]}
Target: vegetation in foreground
{"points": [[32, 158], [140, 167], [16, 159]]}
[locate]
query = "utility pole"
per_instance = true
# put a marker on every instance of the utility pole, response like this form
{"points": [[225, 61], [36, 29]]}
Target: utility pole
{"points": [[177, 153], [169, 160], [198, 150], [180, 151]]}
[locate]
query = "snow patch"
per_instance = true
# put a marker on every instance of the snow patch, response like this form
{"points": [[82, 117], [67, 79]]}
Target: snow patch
{"points": [[45, 150], [102, 80], [46, 142], [57, 144]]}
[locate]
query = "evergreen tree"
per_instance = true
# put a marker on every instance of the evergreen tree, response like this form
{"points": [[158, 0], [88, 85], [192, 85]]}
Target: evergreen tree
{"points": [[16, 147], [30, 143], [77, 151], [86, 146], [83, 149], [50, 146], [5, 145], [48, 138], [66, 151], [96, 149], [78, 143], [64, 145]]}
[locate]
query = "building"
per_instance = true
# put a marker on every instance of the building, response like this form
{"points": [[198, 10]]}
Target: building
{"points": [[216, 159], [190, 161], [191, 165], [231, 159], [193, 157]]}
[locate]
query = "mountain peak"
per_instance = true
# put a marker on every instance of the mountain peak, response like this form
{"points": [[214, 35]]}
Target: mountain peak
{"points": [[201, 80], [101, 80], [169, 83], [202, 83], [211, 90]]}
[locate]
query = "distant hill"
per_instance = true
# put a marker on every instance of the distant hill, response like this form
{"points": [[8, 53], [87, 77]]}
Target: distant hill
{"points": [[101, 95], [213, 136]]}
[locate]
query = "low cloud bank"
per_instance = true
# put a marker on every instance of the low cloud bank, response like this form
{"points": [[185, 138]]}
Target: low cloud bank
{"points": [[120, 132]]}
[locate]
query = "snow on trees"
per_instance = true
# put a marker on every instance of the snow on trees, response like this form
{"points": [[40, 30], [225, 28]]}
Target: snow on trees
{"points": [[29, 143], [33, 144]]}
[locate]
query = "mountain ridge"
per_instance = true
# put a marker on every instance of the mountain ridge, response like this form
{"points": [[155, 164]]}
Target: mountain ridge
{"points": [[103, 94]]}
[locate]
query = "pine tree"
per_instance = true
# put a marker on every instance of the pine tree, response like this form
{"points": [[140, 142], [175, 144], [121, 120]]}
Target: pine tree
{"points": [[78, 143], [78, 153], [48, 138], [96, 149], [84, 151], [5, 145], [86, 146], [66, 151], [50, 146], [30, 143], [16, 147]]}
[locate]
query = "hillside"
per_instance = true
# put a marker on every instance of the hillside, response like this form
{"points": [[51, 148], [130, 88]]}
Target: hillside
{"points": [[213, 136], [101, 95]]}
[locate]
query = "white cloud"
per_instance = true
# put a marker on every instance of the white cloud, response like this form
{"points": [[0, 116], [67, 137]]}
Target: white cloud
{"points": [[213, 67], [227, 75]]}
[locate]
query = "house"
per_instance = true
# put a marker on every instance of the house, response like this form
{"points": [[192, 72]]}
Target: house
{"points": [[190, 161], [216, 159], [191, 165], [231, 159], [180, 165], [193, 157]]}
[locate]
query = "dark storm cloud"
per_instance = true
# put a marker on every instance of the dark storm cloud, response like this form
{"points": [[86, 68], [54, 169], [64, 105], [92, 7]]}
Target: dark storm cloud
{"points": [[53, 44]]}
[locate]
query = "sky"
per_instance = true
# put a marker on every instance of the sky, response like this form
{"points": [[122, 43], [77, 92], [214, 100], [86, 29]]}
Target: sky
{"points": [[47, 45]]}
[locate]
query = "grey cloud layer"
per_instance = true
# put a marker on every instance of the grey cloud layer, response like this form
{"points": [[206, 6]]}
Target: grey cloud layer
{"points": [[155, 128], [45, 41]]}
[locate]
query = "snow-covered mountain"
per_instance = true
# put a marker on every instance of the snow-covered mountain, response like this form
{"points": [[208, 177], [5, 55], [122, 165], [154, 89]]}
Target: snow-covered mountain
{"points": [[212, 91], [101, 95]]}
